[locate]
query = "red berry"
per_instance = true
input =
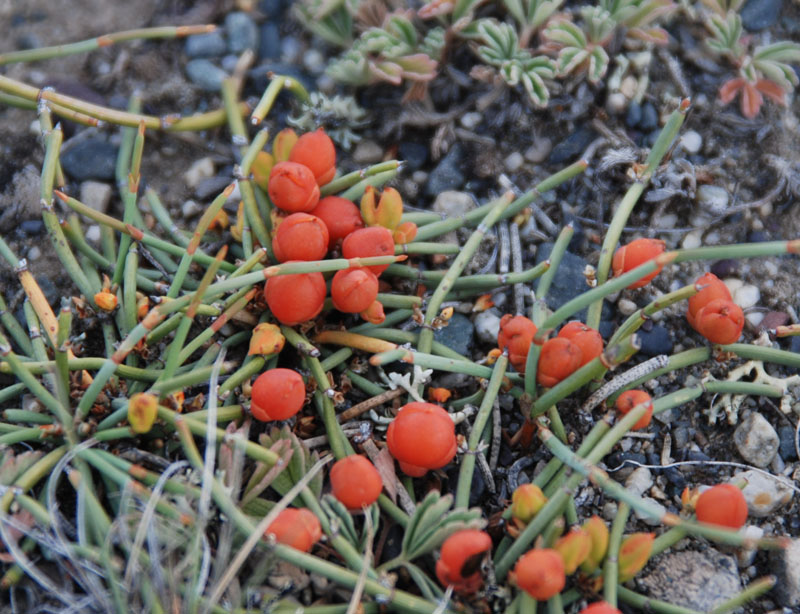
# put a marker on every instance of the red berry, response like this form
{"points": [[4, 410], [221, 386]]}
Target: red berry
{"points": [[586, 338], [460, 560], [354, 290], [723, 505], [540, 573], [292, 187], [516, 334], [558, 359], [301, 236], [365, 242], [635, 254], [295, 298], [630, 399], [422, 436], [298, 528], [714, 288], [278, 394], [316, 151], [720, 321], [355, 482], [600, 607], [340, 216]]}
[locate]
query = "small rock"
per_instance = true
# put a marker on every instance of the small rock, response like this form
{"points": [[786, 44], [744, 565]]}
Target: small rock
{"points": [[514, 162], [649, 117], [452, 204], [93, 233], [447, 175], [634, 115], [414, 155], [90, 158], [570, 281], [190, 208], [31, 228], [272, 9], [733, 284], [34, 253], [626, 306], [788, 437], [756, 440], [693, 239], [712, 198], [754, 318], [655, 340], [96, 194], [696, 580], [242, 32], [367, 152], [457, 335], [628, 87], [747, 296], [471, 120], [666, 221], [725, 268], [573, 145], [647, 518], [269, 47], [209, 45], [640, 481], [205, 74], [760, 14], [691, 142], [211, 187], [785, 565], [199, 170], [539, 151], [314, 61], [764, 495], [487, 326], [616, 103]]}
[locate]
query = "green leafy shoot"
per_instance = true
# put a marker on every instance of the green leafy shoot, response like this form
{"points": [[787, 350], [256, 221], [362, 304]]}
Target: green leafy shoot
{"points": [[331, 20]]}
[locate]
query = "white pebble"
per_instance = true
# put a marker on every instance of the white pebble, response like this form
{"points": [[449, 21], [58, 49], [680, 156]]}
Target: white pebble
{"points": [[626, 306], [190, 208], [733, 284], [712, 198], [314, 61], [34, 253], [616, 103], [693, 239], [514, 162], [754, 317], [367, 152], [93, 233], [487, 326], [35, 128], [96, 194], [471, 120], [199, 170], [668, 220], [691, 141], [747, 296], [770, 267], [628, 86], [539, 151]]}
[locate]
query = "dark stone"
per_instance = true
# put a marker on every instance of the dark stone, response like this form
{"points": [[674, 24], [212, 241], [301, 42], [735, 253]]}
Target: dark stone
{"points": [[573, 145], [786, 448], [394, 543], [675, 477], [205, 74], [207, 45], [697, 455], [91, 158], [607, 328], [242, 32], [272, 9], [760, 14], [650, 138], [725, 268], [655, 341], [457, 335], [414, 155], [794, 344], [447, 175], [270, 42], [29, 41], [51, 292], [32, 227], [477, 488], [649, 117], [758, 236], [680, 437], [633, 115]]}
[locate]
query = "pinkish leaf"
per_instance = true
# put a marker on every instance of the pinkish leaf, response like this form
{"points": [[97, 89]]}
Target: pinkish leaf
{"points": [[751, 101], [772, 90], [729, 89]]}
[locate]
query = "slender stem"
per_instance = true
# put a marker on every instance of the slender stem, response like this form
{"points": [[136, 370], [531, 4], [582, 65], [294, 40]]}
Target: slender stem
{"points": [[611, 565], [278, 83], [647, 604]]}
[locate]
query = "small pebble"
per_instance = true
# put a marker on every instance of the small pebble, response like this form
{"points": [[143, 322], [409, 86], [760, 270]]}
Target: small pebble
{"points": [[713, 198], [539, 151], [514, 162], [692, 240], [626, 306], [242, 32], [628, 87], [725, 268], [190, 208], [448, 173], [764, 494], [760, 14], [785, 564], [367, 152], [91, 158], [666, 221], [314, 61], [207, 45], [649, 119], [270, 42], [756, 440], [291, 50], [616, 103], [640, 481], [691, 141], [199, 170], [34, 253], [471, 120], [96, 194], [647, 518], [787, 448], [205, 74], [747, 296], [487, 326], [93, 233], [733, 284], [755, 318]]}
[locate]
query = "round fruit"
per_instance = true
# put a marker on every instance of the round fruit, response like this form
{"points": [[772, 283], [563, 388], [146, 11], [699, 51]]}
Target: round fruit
{"points": [[278, 394], [295, 298], [355, 482]]}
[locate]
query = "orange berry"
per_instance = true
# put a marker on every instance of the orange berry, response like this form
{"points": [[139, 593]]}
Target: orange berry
{"points": [[295, 298], [355, 482], [439, 395], [516, 334], [105, 300], [292, 187], [540, 573], [365, 242], [600, 607], [630, 399], [301, 236], [723, 505], [585, 337], [316, 151], [278, 394], [460, 560], [714, 288], [298, 528], [354, 290], [374, 313], [720, 321], [423, 436], [558, 359], [634, 254], [340, 216]]}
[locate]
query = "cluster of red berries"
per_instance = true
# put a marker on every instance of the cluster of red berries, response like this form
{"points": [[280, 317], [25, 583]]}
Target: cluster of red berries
{"points": [[315, 225], [575, 346]]}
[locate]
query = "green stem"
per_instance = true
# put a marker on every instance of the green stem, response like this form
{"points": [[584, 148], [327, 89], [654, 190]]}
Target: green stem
{"points": [[611, 565]]}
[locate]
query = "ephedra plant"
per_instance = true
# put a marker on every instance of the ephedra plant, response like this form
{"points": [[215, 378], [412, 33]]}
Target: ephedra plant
{"points": [[235, 323]]}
